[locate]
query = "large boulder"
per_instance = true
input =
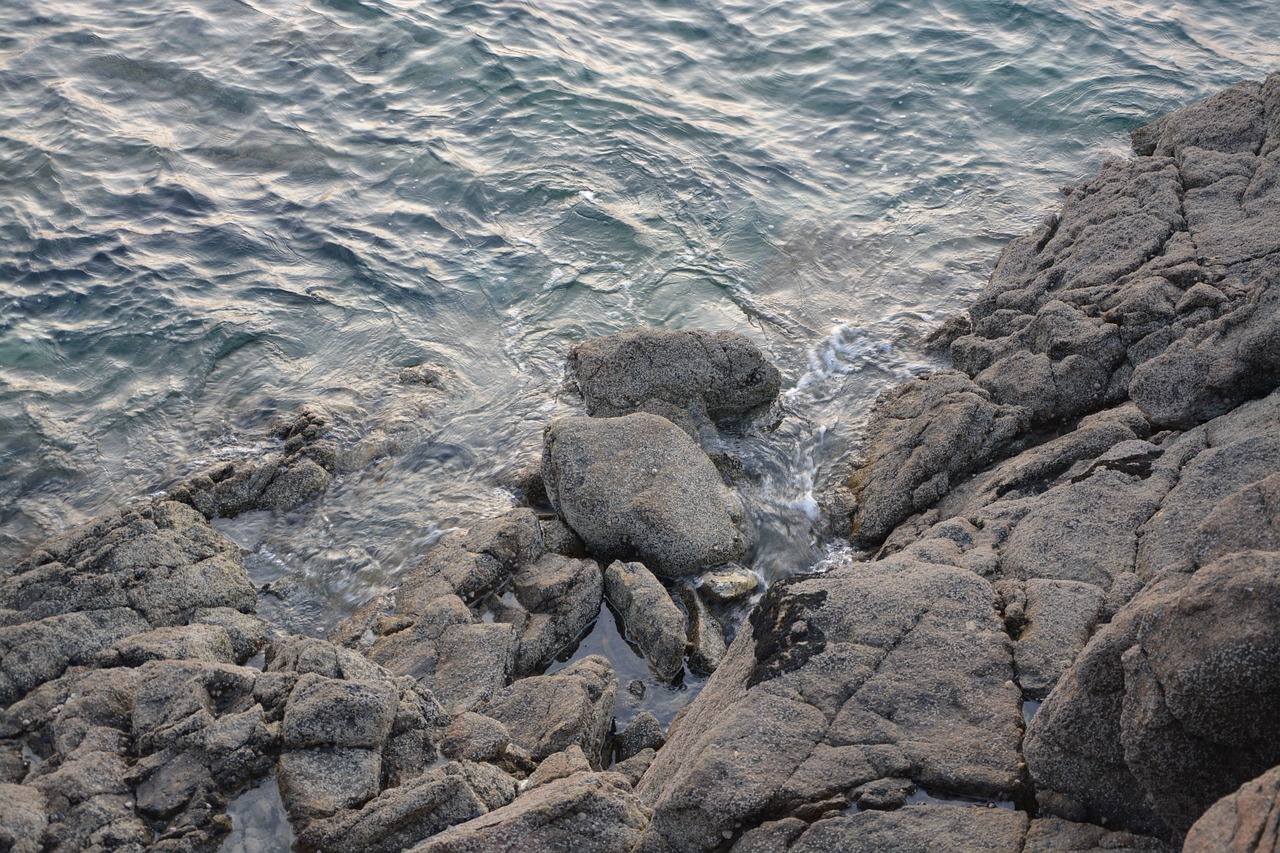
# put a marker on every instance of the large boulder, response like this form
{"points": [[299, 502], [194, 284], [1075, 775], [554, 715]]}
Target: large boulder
{"points": [[686, 376], [636, 487]]}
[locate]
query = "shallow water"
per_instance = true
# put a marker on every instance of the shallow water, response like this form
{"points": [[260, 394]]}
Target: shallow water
{"points": [[212, 211]]}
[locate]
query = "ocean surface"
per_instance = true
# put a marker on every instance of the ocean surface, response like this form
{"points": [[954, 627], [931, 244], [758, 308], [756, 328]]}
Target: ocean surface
{"points": [[214, 211]]}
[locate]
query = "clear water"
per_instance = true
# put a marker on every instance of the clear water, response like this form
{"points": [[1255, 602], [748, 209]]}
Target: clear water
{"points": [[215, 210]]}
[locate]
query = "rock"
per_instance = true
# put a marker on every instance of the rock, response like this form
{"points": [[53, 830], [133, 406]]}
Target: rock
{"points": [[547, 714], [1164, 700], [893, 669], [193, 642], [23, 819], [462, 662], [563, 598], [324, 712], [726, 586], [1053, 835], [473, 563], [558, 766], [1061, 616], [401, 816], [304, 655], [920, 829], [883, 794], [636, 766], [1241, 822], [642, 733], [1223, 457], [152, 567], [706, 638], [475, 737], [277, 481], [687, 376], [651, 619], [635, 487], [923, 436], [582, 812]]}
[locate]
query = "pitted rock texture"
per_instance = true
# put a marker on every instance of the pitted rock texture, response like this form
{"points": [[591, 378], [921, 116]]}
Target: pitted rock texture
{"points": [[102, 590], [279, 480], [690, 376], [1157, 283], [636, 487]]}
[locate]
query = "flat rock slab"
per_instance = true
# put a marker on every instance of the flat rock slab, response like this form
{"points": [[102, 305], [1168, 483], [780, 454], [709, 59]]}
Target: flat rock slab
{"points": [[894, 669], [637, 487]]}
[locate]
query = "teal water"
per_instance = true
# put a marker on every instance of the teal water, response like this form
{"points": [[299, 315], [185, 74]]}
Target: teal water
{"points": [[215, 210]]}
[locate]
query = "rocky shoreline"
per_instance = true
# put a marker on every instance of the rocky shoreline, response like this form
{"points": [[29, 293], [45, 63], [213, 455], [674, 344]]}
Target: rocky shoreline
{"points": [[1062, 630]]}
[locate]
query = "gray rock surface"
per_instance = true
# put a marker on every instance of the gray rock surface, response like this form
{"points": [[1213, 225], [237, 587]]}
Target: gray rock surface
{"points": [[88, 591], [637, 487], [688, 376], [546, 714], [278, 480], [562, 596], [1164, 701], [894, 669], [404, 815], [652, 621]]}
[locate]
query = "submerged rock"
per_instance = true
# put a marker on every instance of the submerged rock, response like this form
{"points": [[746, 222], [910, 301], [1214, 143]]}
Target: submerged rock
{"points": [[636, 487]]}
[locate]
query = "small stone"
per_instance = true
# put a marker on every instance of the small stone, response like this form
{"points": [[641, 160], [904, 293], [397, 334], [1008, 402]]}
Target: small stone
{"points": [[728, 585]]}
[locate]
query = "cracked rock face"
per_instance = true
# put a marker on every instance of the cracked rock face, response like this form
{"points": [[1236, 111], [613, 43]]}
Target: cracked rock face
{"points": [[897, 669]]}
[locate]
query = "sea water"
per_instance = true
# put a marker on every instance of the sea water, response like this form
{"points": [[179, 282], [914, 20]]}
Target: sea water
{"points": [[214, 211]]}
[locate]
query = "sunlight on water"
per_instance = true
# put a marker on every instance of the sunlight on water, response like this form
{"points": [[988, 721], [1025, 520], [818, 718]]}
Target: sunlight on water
{"points": [[212, 211]]}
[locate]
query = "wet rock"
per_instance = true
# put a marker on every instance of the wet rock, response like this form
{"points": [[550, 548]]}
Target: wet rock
{"points": [[920, 829], [401, 816], [687, 376], [472, 563], [636, 487], [892, 669], [1245, 821], [423, 374], [563, 598], [475, 737], [706, 637], [582, 812], [726, 586], [88, 590], [642, 733], [278, 481], [547, 714], [652, 620], [1164, 701]]}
